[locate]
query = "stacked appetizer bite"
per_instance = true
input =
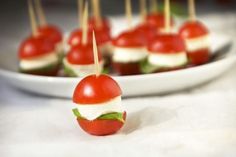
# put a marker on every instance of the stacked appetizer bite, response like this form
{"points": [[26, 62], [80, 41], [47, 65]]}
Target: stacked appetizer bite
{"points": [[98, 99], [129, 49], [79, 59], [49, 31], [197, 38], [37, 53], [166, 50]]}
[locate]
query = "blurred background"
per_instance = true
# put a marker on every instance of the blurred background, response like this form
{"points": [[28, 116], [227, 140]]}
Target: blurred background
{"points": [[15, 24]]}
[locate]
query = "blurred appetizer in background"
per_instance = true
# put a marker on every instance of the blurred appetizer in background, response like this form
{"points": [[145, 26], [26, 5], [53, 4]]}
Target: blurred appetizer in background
{"points": [[37, 54], [79, 60], [166, 50], [197, 38], [129, 48], [99, 111]]}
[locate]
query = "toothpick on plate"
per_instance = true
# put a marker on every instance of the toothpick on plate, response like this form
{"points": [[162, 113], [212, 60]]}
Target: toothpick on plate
{"points": [[40, 13], [85, 25], [192, 11], [143, 9], [80, 12], [97, 12], [128, 9], [32, 18], [167, 16], [95, 55], [153, 6]]}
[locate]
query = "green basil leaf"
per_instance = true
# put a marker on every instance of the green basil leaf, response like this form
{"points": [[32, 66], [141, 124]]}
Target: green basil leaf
{"points": [[147, 68], [68, 71]]}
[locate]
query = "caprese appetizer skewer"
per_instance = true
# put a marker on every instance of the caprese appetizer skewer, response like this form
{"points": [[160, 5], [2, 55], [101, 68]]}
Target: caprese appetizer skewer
{"points": [[166, 50], [99, 111], [197, 38], [129, 48], [51, 32], [79, 60], [37, 53]]}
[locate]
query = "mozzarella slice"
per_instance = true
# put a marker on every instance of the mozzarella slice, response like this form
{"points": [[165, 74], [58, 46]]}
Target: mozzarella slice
{"points": [[39, 62], [82, 70], [168, 60], [127, 55], [199, 43], [91, 112]]}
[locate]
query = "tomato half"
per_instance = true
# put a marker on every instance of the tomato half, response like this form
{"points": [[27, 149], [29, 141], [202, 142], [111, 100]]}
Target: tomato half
{"points": [[193, 30], [101, 127], [75, 38], [51, 32], [157, 20], [96, 89], [199, 57], [147, 31], [34, 47], [127, 68], [82, 55], [105, 24], [129, 39], [167, 43]]}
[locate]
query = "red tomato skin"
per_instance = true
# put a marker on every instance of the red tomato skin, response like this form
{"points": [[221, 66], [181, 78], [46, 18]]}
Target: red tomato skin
{"points": [[167, 44], [52, 72], [82, 55], [35, 47], [105, 24], [157, 20], [101, 127], [146, 31], [127, 68], [51, 32], [199, 57], [129, 39], [193, 30], [96, 89]]}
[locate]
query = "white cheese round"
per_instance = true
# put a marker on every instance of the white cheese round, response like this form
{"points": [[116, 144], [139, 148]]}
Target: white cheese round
{"points": [[127, 55], [39, 62], [82, 70], [168, 60], [91, 112], [198, 43]]}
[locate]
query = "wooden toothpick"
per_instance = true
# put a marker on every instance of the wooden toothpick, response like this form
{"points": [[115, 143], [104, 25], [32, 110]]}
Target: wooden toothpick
{"points": [[143, 9], [80, 12], [128, 9], [153, 6], [40, 13], [97, 12], [32, 18], [85, 25], [167, 16], [95, 55], [192, 11]]}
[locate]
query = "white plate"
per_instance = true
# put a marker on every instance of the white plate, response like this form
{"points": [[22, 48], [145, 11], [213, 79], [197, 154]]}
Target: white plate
{"points": [[131, 85]]}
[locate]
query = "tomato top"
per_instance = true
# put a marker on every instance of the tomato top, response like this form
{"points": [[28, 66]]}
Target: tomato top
{"points": [[101, 37], [193, 29], [167, 43], [82, 55], [146, 31], [105, 24], [51, 32], [129, 39], [94, 90], [157, 20], [34, 47]]}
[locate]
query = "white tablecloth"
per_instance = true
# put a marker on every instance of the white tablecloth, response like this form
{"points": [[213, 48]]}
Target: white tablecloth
{"points": [[198, 122]]}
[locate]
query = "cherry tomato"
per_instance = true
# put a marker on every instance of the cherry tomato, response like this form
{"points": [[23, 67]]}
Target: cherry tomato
{"points": [[82, 55], [147, 31], [129, 39], [199, 57], [51, 32], [105, 24], [157, 20], [101, 127], [96, 89], [193, 30], [75, 38], [34, 47], [167, 43]]}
